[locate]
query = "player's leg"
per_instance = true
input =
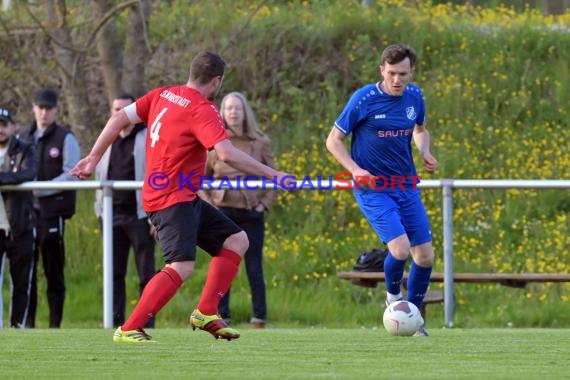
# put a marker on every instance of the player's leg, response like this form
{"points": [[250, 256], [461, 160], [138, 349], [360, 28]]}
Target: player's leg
{"points": [[176, 229], [416, 222], [394, 265], [227, 244], [419, 277], [382, 213], [420, 272], [222, 271], [253, 224], [224, 306]]}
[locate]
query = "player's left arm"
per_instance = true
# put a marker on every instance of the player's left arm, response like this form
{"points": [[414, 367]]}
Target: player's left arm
{"points": [[422, 140]]}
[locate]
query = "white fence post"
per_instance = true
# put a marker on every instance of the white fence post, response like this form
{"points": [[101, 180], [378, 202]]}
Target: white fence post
{"points": [[448, 298], [107, 254]]}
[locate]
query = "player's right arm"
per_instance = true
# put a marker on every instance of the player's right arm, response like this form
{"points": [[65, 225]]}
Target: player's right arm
{"points": [[115, 124], [335, 145], [353, 113]]}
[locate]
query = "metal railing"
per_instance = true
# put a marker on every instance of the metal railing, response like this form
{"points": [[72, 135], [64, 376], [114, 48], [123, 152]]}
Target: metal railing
{"points": [[446, 185]]}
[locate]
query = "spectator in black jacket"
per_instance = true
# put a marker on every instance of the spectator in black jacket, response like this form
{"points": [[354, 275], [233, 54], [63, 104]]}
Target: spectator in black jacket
{"points": [[124, 160], [17, 165], [57, 152]]}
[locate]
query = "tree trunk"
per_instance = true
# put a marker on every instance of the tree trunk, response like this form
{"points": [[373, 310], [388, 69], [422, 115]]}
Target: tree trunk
{"points": [[136, 50], [71, 71], [110, 51]]}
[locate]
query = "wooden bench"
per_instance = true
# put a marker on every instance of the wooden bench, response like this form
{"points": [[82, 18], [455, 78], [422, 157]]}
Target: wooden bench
{"points": [[517, 280]]}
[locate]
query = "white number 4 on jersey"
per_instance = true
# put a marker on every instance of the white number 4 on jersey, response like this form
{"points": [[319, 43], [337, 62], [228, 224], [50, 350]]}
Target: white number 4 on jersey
{"points": [[155, 128]]}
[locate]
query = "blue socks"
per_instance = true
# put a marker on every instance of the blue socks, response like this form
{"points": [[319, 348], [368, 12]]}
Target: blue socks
{"points": [[418, 280], [394, 271], [418, 283]]}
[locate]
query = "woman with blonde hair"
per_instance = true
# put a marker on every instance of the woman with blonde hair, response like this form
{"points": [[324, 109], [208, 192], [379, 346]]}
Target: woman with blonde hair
{"points": [[244, 207]]}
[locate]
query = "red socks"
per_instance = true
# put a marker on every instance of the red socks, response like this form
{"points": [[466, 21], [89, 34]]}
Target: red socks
{"points": [[159, 290], [163, 286], [223, 269]]}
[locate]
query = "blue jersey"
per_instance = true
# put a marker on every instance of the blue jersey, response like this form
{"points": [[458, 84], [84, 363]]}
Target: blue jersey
{"points": [[382, 126]]}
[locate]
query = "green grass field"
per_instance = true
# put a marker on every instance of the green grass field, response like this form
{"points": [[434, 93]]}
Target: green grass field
{"points": [[288, 353]]}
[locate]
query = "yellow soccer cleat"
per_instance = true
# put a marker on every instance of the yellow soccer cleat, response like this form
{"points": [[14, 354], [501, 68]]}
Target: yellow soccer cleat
{"points": [[132, 336], [213, 324]]}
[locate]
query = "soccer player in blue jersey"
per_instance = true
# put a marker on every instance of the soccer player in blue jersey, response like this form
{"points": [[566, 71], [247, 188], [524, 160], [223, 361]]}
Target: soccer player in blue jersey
{"points": [[383, 118]]}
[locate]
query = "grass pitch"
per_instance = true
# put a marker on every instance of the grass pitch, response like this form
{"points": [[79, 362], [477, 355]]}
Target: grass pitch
{"points": [[287, 354]]}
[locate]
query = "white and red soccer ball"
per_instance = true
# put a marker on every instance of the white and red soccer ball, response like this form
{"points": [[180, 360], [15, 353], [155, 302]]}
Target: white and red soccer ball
{"points": [[402, 318]]}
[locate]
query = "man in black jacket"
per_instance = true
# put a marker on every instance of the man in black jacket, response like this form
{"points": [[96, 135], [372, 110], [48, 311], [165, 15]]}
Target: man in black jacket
{"points": [[57, 152], [124, 160], [17, 165]]}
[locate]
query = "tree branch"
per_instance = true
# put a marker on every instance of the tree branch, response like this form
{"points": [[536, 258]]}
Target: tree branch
{"points": [[63, 10], [109, 15], [104, 20], [17, 51], [244, 26], [47, 32], [145, 29]]}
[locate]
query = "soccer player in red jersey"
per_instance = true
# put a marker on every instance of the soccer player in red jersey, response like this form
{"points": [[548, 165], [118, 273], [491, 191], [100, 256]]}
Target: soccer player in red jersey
{"points": [[184, 125]]}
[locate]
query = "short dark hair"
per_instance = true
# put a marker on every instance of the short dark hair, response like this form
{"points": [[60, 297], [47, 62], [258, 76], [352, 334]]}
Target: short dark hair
{"points": [[397, 53], [205, 67], [126, 96]]}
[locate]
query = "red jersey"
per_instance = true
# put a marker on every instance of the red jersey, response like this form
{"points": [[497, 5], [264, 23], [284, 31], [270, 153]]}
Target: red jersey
{"points": [[182, 127]]}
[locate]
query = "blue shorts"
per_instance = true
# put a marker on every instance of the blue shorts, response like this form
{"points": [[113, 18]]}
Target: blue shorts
{"points": [[395, 213]]}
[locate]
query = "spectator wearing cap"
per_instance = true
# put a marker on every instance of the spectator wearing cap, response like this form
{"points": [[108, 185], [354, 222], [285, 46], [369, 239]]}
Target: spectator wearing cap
{"points": [[57, 152], [17, 165]]}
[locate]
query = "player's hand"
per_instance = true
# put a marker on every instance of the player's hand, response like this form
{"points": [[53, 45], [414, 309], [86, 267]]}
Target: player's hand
{"points": [[362, 178], [430, 163], [286, 181], [85, 167], [260, 207]]}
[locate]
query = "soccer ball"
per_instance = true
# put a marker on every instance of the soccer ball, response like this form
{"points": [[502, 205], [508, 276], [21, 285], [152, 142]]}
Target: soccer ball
{"points": [[402, 318]]}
